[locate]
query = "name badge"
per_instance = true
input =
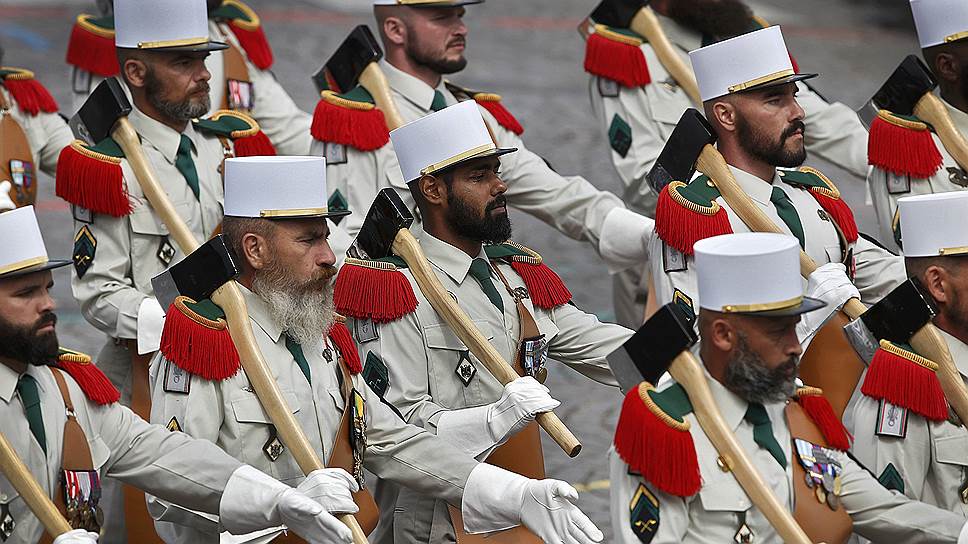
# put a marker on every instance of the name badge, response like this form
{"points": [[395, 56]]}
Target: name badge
{"points": [[897, 185]]}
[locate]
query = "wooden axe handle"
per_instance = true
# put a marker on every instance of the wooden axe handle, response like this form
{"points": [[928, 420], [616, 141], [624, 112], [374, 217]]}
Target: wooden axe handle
{"points": [[23, 481], [689, 374], [931, 110], [646, 24], [929, 343], [230, 299], [407, 247], [375, 82]]}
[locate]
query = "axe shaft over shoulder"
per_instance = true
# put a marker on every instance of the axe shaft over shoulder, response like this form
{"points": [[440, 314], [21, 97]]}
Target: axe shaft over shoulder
{"points": [[930, 108], [646, 24], [40, 504], [375, 82]]}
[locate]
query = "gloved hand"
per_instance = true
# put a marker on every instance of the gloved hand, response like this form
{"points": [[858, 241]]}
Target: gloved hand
{"points": [[830, 284], [496, 499], [962, 538], [477, 430], [6, 203], [151, 321], [253, 501], [332, 488], [77, 536]]}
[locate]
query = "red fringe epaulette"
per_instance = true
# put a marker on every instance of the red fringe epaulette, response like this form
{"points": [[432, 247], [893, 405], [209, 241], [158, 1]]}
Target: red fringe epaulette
{"points": [[657, 444], [92, 381], [199, 344], [817, 406], [345, 121], [616, 55], [373, 290], [247, 137], [545, 287], [906, 379], [247, 27], [91, 177], [30, 95], [340, 335], [903, 146], [681, 222], [91, 46], [828, 196], [492, 103]]}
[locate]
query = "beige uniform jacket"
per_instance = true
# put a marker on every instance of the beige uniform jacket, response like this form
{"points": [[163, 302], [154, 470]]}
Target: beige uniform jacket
{"points": [[421, 355], [47, 134], [886, 187], [833, 130], [931, 458], [877, 271], [229, 414], [191, 472], [716, 513]]}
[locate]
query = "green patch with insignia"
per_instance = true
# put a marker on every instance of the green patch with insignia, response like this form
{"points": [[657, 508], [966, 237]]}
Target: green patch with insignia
{"points": [[337, 202], [644, 514], [620, 136], [891, 479], [85, 246], [376, 375], [683, 303]]}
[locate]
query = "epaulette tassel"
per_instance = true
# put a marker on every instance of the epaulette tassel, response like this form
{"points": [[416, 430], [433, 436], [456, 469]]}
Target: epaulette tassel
{"points": [[257, 145], [545, 286], [90, 378], [198, 345], [373, 290], [255, 44], [817, 406], [92, 49], [681, 223], [902, 147], [340, 335], [840, 212], [906, 379], [30, 95], [492, 103], [620, 59], [92, 180], [346, 122]]}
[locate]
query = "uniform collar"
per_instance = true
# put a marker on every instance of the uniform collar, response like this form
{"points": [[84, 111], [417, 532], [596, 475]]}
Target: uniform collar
{"points": [[731, 406], [959, 352], [411, 88], [756, 188], [454, 262], [683, 37], [958, 117], [164, 138], [259, 312], [8, 382]]}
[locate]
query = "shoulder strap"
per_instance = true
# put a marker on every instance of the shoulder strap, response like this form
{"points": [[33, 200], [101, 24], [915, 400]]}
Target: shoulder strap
{"points": [[76, 451]]}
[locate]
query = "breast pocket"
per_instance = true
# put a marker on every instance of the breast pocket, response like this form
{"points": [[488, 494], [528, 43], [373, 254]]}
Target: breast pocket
{"points": [[456, 375], [952, 450], [724, 495], [255, 432]]}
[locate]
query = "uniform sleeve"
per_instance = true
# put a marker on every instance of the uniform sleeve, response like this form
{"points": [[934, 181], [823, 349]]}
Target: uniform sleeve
{"points": [[887, 516], [681, 278], [58, 136], [834, 132], [583, 342], [671, 517], [357, 178], [878, 182], [281, 120], [878, 271]]}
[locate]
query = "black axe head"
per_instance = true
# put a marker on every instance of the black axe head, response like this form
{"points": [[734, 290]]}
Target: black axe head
{"points": [[677, 161], [388, 214], [198, 275], [342, 71], [103, 108], [650, 351], [901, 313], [617, 13], [909, 82]]}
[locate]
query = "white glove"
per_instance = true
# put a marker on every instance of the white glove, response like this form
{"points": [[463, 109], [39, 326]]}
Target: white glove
{"points": [[151, 321], [253, 500], [495, 500], [6, 204], [77, 536], [624, 241], [830, 284], [962, 538], [332, 488], [478, 430]]}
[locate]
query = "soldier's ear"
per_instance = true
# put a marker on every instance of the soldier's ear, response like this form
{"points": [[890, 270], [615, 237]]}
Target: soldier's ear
{"points": [[938, 282], [433, 190], [135, 72], [947, 67], [721, 335], [255, 250], [394, 31], [722, 113]]}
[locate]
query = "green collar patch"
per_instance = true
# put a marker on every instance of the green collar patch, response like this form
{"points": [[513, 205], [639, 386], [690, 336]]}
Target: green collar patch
{"points": [[358, 94], [673, 401], [505, 250], [107, 147], [233, 11], [207, 309], [891, 479], [227, 123], [700, 191], [804, 178]]}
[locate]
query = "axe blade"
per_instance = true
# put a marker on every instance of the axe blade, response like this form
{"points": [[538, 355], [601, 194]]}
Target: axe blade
{"points": [[387, 215], [896, 317], [198, 275], [617, 13], [102, 109], [342, 71], [907, 84], [677, 161], [650, 351], [867, 113]]}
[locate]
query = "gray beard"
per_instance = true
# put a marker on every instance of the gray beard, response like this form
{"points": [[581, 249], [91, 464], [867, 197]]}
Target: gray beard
{"points": [[751, 380], [305, 315]]}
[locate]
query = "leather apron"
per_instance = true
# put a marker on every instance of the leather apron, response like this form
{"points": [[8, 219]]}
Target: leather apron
{"points": [[16, 158]]}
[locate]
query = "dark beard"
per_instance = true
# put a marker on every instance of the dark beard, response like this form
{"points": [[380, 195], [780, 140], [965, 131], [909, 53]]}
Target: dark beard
{"points": [[720, 19], [759, 146], [751, 380], [178, 111], [485, 229], [24, 345], [422, 57]]}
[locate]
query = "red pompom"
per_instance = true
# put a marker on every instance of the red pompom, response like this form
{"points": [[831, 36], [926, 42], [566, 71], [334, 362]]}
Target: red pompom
{"points": [[91, 180], [621, 62], [31, 96], [198, 345], [340, 335], [360, 127], [902, 147], [257, 145], [906, 380], [373, 290]]}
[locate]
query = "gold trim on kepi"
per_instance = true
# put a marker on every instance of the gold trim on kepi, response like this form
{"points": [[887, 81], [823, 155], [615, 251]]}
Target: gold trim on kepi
{"points": [[458, 158], [26, 263], [183, 42], [956, 36], [761, 80], [764, 307], [296, 212], [953, 250]]}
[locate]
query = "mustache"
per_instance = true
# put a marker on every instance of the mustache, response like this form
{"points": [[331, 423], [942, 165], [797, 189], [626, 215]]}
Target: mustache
{"points": [[498, 202], [47, 319], [456, 42], [794, 126]]}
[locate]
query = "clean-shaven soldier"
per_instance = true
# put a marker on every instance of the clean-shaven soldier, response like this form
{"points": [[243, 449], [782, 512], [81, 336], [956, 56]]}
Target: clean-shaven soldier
{"points": [[752, 298], [241, 77], [415, 362], [910, 438], [751, 103], [61, 416], [424, 42], [280, 239], [908, 158]]}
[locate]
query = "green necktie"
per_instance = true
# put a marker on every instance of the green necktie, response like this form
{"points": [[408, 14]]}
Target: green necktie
{"points": [[185, 164], [482, 273], [763, 432], [439, 102], [30, 396], [299, 356], [787, 212]]}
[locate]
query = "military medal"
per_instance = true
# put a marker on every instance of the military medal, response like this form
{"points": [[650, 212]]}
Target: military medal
{"points": [[822, 472], [358, 436], [82, 492], [534, 354]]}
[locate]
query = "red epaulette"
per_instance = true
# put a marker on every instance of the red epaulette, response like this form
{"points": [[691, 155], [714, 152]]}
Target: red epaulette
{"points": [[340, 335], [375, 290], [545, 287], [246, 135], [91, 177], [490, 102], [818, 408], [91, 45], [903, 145], [686, 214], [92, 381], [616, 54], [197, 340], [30, 95], [247, 27], [902, 377], [351, 119], [827, 195]]}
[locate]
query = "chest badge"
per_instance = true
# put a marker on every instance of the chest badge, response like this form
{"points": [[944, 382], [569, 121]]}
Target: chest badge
{"points": [[465, 369], [273, 447], [166, 252], [957, 176]]}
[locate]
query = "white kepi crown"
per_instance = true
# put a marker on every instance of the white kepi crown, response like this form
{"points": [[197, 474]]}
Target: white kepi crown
{"points": [[751, 273], [750, 61], [934, 225], [443, 139], [940, 21], [170, 25], [24, 251], [277, 188]]}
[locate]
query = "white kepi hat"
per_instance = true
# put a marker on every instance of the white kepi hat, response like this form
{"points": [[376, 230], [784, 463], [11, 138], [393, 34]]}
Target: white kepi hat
{"points": [[426, 3], [277, 188], [751, 61], [754, 273], [443, 139], [24, 251], [165, 25], [940, 21], [933, 225]]}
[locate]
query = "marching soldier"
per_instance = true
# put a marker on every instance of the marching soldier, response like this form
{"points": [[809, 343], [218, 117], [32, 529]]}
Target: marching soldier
{"points": [[749, 349], [910, 438], [60, 415], [907, 156], [280, 239], [415, 363], [241, 77]]}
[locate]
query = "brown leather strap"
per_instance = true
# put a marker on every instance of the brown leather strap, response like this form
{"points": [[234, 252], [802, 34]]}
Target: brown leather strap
{"points": [[235, 69], [831, 363], [15, 146]]}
